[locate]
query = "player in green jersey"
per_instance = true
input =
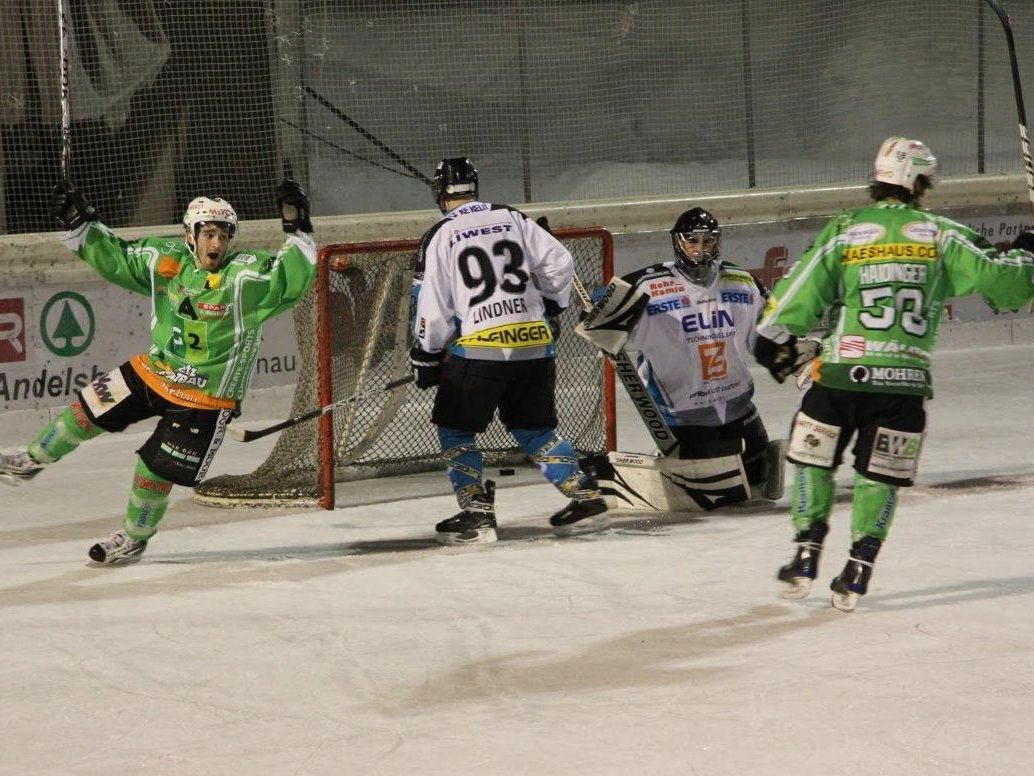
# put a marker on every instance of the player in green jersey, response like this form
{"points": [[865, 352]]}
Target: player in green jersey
{"points": [[882, 273], [208, 304]]}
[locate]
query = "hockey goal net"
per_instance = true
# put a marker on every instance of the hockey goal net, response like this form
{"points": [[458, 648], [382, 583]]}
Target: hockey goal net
{"points": [[353, 338]]}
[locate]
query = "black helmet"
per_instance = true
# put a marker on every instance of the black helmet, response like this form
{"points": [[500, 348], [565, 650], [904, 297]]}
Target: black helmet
{"points": [[691, 233], [454, 178]]}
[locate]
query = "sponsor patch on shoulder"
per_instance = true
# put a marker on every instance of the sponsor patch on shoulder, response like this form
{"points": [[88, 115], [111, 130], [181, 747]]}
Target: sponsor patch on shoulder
{"points": [[920, 231], [865, 233]]}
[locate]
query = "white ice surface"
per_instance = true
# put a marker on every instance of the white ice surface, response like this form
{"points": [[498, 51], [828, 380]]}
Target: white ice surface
{"points": [[312, 642]]}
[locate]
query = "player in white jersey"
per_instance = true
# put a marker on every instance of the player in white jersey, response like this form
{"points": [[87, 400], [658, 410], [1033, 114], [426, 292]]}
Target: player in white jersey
{"points": [[693, 328], [488, 288]]}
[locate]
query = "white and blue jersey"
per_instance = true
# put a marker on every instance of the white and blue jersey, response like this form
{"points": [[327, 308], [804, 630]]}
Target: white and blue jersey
{"points": [[694, 342], [486, 279]]}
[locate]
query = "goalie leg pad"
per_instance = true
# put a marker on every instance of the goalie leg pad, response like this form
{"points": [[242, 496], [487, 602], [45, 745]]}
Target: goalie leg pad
{"points": [[645, 482]]}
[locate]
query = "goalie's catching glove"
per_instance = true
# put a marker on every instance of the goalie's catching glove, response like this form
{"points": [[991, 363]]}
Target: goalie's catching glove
{"points": [[69, 206], [293, 204], [427, 367], [784, 359]]}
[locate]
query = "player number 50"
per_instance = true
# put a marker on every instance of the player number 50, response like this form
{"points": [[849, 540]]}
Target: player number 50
{"points": [[907, 304]]}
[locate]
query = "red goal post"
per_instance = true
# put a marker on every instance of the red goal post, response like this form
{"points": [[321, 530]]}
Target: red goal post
{"points": [[354, 337]]}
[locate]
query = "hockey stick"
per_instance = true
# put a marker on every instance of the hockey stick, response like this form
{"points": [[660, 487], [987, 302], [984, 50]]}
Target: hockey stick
{"points": [[369, 136], [1021, 113], [641, 398], [250, 436], [66, 109]]}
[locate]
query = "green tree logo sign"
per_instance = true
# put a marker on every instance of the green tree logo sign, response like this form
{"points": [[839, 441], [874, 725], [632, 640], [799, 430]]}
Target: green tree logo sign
{"points": [[67, 324]]}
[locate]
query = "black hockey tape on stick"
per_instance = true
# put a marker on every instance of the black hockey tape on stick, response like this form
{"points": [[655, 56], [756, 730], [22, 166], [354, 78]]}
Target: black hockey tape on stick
{"points": [[250, 436], [66, 108], [368, 135], [1017, 88], [641, 398]]}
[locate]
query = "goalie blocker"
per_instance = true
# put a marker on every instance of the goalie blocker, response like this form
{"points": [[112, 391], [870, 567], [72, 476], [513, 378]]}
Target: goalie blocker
{"points": [[636, 482]]}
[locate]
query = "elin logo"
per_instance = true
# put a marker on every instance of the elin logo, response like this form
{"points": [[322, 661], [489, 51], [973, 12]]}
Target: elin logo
{"points": [[12, 330], [713, 365]]}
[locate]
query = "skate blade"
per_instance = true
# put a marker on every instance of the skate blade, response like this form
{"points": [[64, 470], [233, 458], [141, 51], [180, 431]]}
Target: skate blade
{"points": [[129, 560], [798, 587], [480, 536], [845, 602], [13, 480], [588, 525]]}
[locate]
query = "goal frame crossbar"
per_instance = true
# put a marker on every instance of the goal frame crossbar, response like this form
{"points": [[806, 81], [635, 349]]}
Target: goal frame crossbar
{"points": [[334, 257]]}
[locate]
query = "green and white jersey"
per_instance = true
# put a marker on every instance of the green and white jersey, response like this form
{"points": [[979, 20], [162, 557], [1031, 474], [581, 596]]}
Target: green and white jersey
{"points": [[206, 327], [883, 273]]}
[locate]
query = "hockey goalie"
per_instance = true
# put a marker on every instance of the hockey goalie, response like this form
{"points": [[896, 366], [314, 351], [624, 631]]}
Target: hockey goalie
{"points": [[691, 322]]}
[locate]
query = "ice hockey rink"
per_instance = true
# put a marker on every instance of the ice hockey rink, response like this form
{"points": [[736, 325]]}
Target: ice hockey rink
{"points": [[316, 642]]}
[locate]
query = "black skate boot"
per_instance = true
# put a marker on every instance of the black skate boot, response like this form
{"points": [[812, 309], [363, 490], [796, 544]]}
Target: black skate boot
{"points": [[475, 524], [799, 573], [853, 581], [584, 513]]}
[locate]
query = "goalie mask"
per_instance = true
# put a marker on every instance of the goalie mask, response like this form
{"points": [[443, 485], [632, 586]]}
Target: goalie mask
{"points": [[208, 210], [901, 160], [454, 178], [696, 238]]}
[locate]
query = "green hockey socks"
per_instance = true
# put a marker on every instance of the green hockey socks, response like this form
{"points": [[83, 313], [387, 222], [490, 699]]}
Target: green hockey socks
{"points": [[873, 507], [811, 499], [63, 434], [148, 501]]}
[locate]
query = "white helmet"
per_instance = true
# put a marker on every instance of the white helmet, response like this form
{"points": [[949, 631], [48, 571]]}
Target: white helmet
{"points": [[901, 160], [203, 210]]}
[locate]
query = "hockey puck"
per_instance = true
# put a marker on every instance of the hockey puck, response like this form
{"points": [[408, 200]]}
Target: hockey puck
{"points": [[507, 472]]}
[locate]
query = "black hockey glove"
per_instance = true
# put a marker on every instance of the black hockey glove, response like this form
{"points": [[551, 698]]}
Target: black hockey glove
{"points": [[779, 359], [1025, 241], [427, 367], [544, 223], [69, 206], [293, 204], [553, 311]]}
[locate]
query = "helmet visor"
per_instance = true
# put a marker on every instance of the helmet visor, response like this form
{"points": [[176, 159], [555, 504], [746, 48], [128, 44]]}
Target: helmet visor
{"points": [[696, 246]]}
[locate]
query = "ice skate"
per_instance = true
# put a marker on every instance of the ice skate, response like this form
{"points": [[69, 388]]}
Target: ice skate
{"points": [[475, 524], [580, 516], [799, 573], [119, 549], [853, 581], [18, 467]]}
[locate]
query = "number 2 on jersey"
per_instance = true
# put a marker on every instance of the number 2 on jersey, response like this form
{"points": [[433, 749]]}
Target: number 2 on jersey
{"points": [[515, 279]]}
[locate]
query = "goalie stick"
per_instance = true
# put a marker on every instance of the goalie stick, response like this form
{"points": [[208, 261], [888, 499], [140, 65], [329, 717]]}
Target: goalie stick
{"points": [[251, 435], [637, 392]]}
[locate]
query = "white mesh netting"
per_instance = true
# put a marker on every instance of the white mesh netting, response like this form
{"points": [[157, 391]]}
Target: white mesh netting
{"points": [[553, 101], [391, 433]]}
